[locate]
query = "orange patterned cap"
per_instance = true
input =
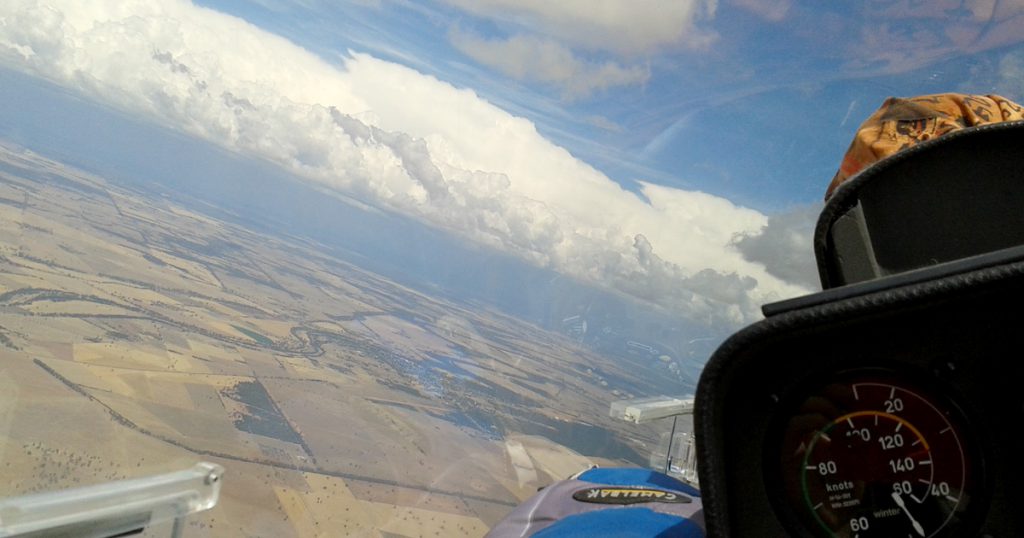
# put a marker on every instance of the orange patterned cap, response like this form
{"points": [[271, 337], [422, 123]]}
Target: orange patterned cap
{"points": [[901, 123]]}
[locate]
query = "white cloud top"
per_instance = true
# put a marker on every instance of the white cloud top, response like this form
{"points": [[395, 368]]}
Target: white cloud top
{"points": [[625, 27], [566, 43], [399, 140], [544, 60]]}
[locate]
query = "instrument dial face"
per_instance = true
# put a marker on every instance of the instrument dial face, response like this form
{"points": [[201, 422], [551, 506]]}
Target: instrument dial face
{"points": [[872, 455]]}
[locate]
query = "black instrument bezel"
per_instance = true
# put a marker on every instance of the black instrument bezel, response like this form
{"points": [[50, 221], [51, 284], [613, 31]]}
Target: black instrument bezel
{"points": [[956, 333]]}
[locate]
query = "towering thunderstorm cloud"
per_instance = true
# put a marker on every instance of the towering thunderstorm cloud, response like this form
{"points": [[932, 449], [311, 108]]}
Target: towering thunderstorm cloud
{"points": [[399, 140]]}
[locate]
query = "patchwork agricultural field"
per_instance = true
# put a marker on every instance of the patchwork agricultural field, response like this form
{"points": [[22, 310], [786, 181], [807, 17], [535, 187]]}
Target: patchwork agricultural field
{"points": [[140, 334]]}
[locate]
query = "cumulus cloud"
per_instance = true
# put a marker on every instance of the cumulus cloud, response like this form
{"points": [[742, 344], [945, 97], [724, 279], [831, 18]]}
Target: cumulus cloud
{"points": [[784, 245], [548, 41], [905, 36], [625, 27], [398, 140], [544, 60]]}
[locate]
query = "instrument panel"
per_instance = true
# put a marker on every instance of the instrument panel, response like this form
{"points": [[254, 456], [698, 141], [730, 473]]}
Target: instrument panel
{"points": [[888, 414]]}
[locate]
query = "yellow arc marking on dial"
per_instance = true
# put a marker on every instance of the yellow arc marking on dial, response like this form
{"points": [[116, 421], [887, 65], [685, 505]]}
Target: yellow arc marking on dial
{"points": [[888, 416]]}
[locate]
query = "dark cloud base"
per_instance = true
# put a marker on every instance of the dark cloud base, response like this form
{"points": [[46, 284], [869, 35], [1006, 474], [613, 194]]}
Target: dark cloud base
{"points": [[785, 246]]}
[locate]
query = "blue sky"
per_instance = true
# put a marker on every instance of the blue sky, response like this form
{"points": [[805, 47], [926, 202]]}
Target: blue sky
{"points": [[674, 151]]}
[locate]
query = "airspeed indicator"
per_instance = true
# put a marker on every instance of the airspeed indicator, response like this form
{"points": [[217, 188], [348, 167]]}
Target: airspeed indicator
{"points": [[872, 457]]}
